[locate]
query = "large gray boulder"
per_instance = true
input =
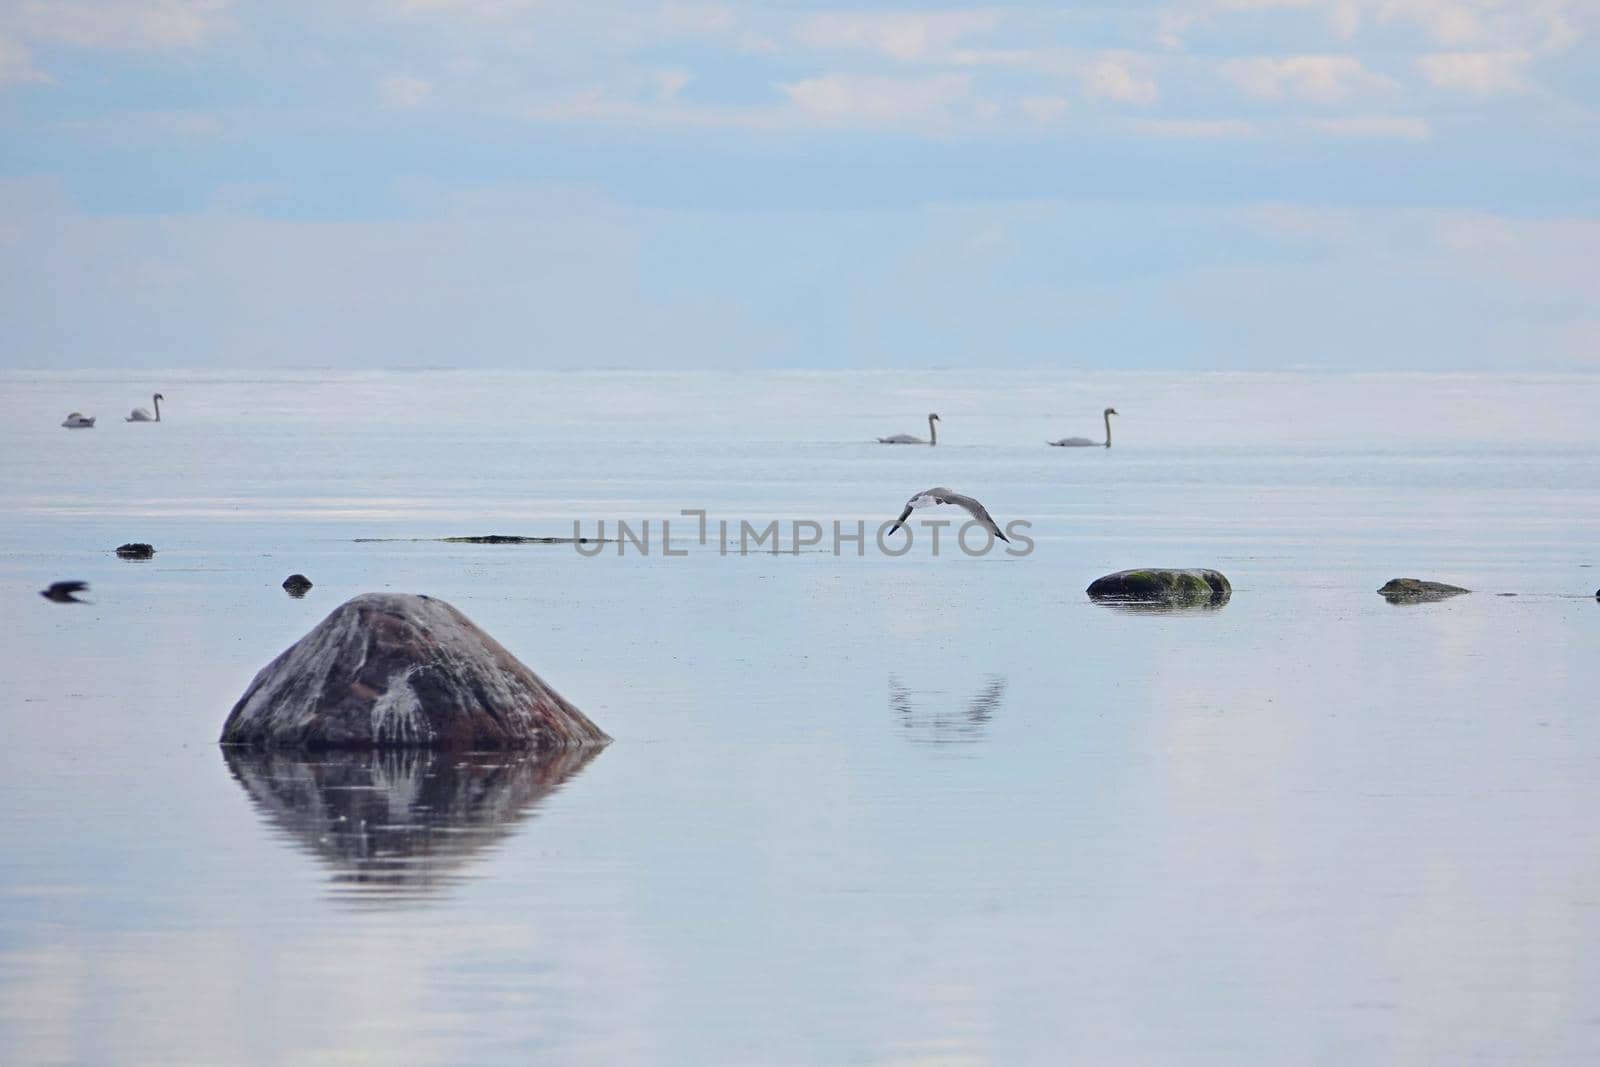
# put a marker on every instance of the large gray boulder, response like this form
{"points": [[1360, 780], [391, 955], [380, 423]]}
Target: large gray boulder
{"points": [[389, 670], [1163, 585]]}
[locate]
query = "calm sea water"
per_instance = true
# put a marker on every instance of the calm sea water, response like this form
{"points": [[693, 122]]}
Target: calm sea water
{"points": [[926, 810]]}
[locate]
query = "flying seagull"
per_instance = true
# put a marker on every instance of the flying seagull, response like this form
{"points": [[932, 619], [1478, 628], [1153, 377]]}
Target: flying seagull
{"points": [[61, 592], [940, 495]]}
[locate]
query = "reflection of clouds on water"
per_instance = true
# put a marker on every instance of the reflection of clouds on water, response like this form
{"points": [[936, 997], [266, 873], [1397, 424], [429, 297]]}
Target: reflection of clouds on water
{"points": [[399, 825], [942, 719]]}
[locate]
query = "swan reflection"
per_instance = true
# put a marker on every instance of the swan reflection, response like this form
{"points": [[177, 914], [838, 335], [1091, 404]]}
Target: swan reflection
{"points": [[940, 720], [399, 826]]}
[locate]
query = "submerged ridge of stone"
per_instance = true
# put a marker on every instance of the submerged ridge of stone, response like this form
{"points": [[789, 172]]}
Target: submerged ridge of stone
{"points": [[398, 670]]}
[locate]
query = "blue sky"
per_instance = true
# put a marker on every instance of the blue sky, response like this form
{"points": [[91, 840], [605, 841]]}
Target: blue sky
{"points": [[538, 183]]}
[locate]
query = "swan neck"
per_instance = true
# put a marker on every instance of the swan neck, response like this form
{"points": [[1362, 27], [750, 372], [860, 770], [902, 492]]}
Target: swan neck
{"points": [[933, 431], [156, 400], [1107, 417]]}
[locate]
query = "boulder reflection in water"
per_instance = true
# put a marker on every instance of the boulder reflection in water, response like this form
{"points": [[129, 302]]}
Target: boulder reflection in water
{"points": [[399, 826]]}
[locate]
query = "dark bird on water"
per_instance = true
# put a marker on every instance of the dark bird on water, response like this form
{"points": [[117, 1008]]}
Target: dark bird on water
{"points": [[61, 592], [939, 495]]}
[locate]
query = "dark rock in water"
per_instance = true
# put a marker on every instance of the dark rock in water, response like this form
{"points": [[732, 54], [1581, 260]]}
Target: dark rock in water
{"points": [[136, 550], [396, 670], [514, 539], [297, 585], [1165, 586], [495, 539], [1416, 590], [401, 825]]}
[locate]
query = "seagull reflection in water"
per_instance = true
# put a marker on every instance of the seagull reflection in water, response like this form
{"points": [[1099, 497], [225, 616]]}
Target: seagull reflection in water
{"points": [[399, 826], [942, 723]]}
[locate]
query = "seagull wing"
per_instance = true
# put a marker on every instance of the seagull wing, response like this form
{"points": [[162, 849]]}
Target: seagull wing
{"points": [[973, 508], [937, 494]]}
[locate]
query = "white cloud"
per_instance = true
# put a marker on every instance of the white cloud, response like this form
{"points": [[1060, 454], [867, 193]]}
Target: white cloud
{"points": [[1173, 25], [1483, 73], [597, 105], [140, 128], [16, 64], [1450, 22], [1454, 24], [854, 100], [476, 9], [1043, 109], [1111, 78], [1551, 259], [1199, 129], [904, 36], [121, 24], [1321, 79], [669, 83], [1400, 127], [402, 90], [1323, 225], [701, 19]]}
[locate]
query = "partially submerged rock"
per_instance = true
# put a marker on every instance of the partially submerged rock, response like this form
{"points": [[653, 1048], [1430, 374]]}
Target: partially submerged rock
{"points": [[1410, 590], [492, 539], [397, 670], [297, 585], [1162, 585], [135, 550]]}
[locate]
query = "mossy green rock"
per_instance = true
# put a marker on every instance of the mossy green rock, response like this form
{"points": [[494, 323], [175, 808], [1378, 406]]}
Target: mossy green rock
{"points": [[1419, 589], [1163, 585]]}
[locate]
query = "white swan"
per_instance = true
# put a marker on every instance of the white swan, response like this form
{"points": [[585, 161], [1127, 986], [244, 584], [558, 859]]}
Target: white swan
{"points": [[141, 415], [76, 421], [1084, 442], [908, 439]]}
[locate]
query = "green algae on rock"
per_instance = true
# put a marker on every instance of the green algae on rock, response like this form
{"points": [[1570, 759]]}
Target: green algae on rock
{"points": [[1412, 590], [1164, 585]]}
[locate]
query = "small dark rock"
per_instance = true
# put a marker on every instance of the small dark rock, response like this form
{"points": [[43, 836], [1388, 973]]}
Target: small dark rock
{"points": [[297, 585], [1416, 590], [1162, 585], [136, 550]]}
